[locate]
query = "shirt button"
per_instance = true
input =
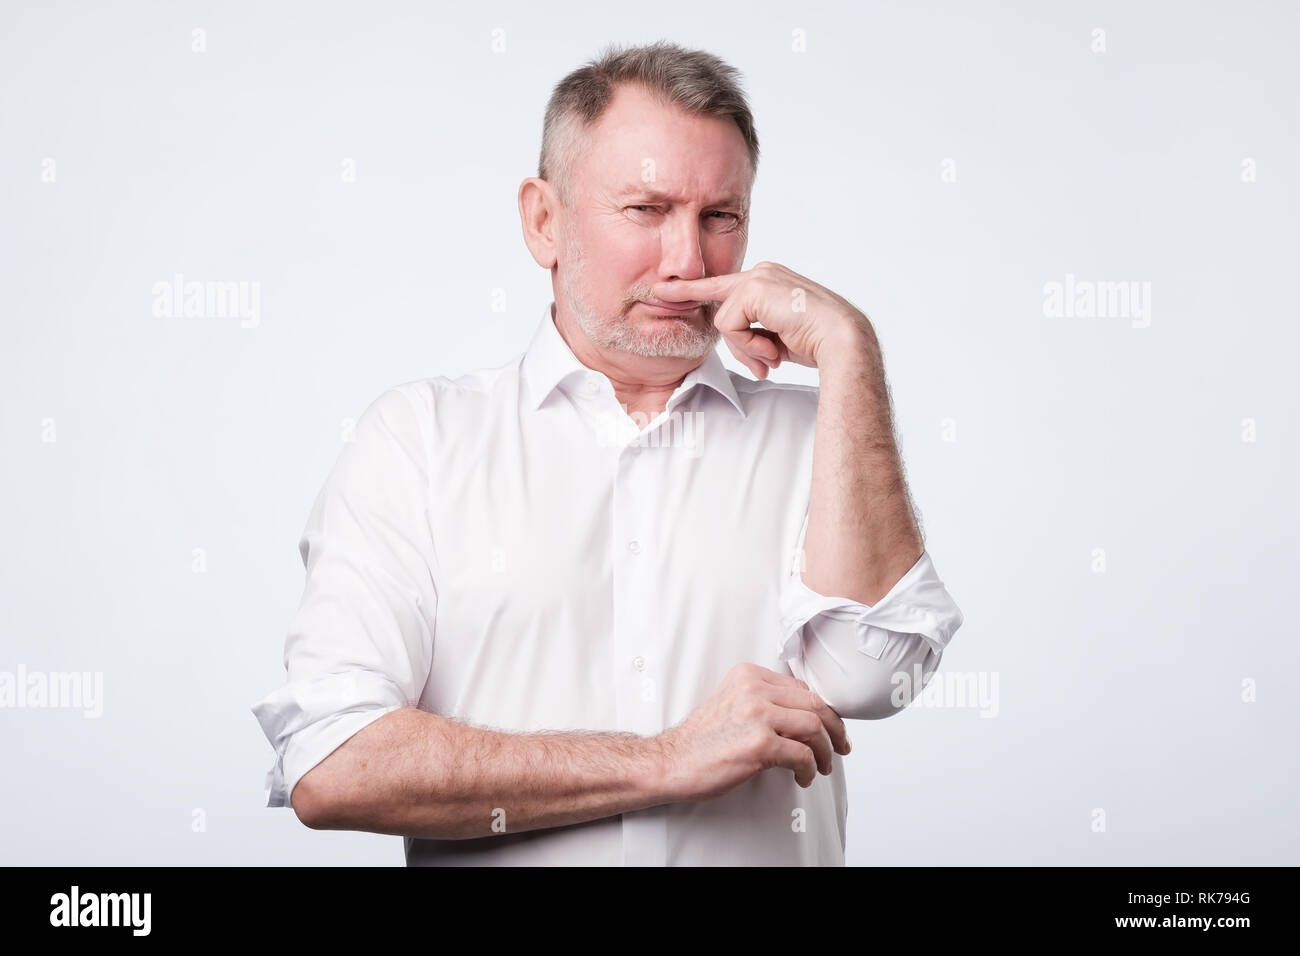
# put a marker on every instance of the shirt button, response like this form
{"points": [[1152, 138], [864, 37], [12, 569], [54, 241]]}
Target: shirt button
{"points": [[638, 662], [634, 546], [592, 384]]}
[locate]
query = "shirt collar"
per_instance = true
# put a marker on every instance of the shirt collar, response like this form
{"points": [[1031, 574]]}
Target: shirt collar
{"points": [[549, 361]]}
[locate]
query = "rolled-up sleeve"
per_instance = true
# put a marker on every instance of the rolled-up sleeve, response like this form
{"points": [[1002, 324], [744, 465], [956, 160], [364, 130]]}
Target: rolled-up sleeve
{"points": [[361, 642], [853, 654]]}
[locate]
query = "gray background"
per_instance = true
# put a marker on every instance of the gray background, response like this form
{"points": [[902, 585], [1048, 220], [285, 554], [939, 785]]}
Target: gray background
{"points": [[1120, 691]]}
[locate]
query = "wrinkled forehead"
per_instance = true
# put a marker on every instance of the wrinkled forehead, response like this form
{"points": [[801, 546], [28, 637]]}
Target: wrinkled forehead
{"points": [[642, 145]]}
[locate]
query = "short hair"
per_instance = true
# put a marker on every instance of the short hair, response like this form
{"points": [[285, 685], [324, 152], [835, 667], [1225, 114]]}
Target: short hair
{"points": [[694, 80]]}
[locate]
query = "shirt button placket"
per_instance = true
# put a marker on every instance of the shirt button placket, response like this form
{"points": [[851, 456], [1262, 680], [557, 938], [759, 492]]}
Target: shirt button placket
{"points": [[645, 832]]}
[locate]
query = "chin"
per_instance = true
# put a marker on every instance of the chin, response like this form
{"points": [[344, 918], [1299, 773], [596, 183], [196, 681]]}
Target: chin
{"points": [[670, 343]]}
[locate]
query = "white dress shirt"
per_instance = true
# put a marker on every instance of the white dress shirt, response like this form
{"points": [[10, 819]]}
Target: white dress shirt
{"points": [[509, 548]]}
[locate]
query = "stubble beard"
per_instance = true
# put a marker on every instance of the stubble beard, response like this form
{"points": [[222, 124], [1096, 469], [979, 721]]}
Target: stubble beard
{"points": [[690, 337]]}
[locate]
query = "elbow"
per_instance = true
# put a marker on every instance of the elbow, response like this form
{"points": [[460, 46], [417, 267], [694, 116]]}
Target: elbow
{"points": [[858, 686], [869, 698], [311, 803], [876, 706], [331, 793]]}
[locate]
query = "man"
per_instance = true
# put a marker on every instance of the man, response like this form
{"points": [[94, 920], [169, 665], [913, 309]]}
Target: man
{"points": [[610, 603]]}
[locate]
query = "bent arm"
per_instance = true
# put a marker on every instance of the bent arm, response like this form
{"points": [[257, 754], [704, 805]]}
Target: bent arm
{"points": [[862, 530], [865, 617], [417, 774]]}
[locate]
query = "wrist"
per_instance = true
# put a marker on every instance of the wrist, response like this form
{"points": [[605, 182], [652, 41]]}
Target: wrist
{"points": [[659, 780], [849, 344]]}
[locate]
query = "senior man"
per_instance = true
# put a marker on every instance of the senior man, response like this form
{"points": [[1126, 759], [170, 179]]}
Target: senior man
{"points": [[610, 603]]}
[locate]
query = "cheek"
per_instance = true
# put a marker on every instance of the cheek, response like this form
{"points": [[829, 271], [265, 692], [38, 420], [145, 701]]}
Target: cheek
{"points": [[725, 255], [636, 239], [626, 248]]}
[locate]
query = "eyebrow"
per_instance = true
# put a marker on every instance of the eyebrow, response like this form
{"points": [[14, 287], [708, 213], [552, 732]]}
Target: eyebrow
{"points": [[656, 195]]}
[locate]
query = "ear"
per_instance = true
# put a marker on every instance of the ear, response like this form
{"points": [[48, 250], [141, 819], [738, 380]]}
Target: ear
{"points": [[538, 204]]}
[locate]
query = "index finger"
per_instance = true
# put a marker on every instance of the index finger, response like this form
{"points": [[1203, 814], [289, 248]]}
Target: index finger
{"points": [[708, 289]]}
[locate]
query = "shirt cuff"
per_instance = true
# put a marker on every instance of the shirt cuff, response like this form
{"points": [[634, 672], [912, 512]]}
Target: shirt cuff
{"points": [[307, 720], [917, 604]]}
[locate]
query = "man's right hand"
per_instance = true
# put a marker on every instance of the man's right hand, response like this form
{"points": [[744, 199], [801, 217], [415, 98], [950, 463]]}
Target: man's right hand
{"points": [[755, 720]]}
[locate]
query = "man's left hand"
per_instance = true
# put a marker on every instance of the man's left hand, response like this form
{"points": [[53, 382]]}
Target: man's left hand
{"points": [[802, 322]]}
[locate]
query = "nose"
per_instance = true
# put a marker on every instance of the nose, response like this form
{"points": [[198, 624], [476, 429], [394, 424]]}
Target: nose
{"points": [[680, 254]]}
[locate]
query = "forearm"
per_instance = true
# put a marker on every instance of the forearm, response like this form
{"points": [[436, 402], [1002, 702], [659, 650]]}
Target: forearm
{"points": [[413, 773], [862, 532]]}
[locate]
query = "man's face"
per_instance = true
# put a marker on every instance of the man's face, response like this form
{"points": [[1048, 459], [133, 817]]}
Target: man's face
{"points": [[657, 194]]}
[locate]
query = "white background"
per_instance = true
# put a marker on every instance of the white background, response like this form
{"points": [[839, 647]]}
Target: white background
{"points": [[1120, 690]]}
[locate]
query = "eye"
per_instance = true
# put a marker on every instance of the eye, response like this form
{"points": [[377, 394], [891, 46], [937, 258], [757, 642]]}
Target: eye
{"points": [[719, 212], [639, 208]]}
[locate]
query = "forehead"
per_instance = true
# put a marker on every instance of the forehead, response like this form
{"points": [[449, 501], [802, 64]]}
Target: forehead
{"points": [[643, 144]]}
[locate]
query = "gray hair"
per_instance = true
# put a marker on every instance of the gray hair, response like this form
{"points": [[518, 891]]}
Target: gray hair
{"points": [[694, 80]]}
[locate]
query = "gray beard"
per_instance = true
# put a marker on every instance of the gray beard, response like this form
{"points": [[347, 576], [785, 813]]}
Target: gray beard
{"points": [[674, 338]]}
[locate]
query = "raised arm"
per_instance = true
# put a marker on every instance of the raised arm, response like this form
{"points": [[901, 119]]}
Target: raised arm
{"points": [[868, 621], [864, 596], [862, 530]]}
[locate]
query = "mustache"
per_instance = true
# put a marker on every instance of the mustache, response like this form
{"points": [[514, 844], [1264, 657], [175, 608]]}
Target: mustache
{"points": [[637, 293], [643, 293]]}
